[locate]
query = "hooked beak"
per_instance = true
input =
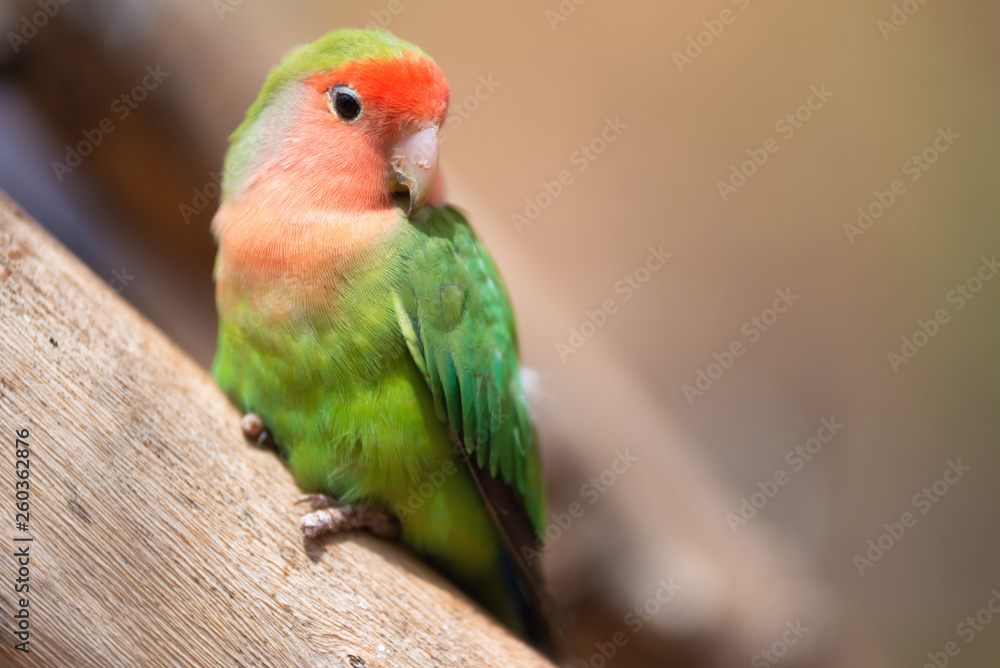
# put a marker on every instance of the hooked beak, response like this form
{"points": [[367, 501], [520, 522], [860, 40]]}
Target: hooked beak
{"points": [[414, 160]]}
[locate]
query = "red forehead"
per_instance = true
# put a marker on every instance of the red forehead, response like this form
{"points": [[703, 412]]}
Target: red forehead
{"points": [[409, 88]]}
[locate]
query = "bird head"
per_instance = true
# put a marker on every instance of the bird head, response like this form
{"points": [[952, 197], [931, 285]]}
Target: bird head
{"points": [[349, 122]]}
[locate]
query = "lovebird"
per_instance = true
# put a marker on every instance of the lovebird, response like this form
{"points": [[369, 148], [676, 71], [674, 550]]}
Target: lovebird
{"points": [[365, 326]]}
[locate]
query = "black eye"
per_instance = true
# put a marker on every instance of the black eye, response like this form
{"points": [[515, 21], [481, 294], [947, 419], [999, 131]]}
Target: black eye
{"points": [[345, 102]]}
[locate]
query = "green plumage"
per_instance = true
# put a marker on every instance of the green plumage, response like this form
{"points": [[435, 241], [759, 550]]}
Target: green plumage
{"points": [[420, 342]]}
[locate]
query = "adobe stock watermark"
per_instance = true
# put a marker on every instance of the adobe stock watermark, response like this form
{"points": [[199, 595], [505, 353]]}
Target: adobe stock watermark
{"points": [[202, 197], [590, 491], [223, 7], [561, 12], [923, 501], [383, 17], [898, 17], [581, 159], [697, 43], [752, 330], [626, 287], [420, 494], [968, 629], [786, 126], [460, 110], [797, 458], [31, 24], [958, 297], [121, 108], [914, 168], [768, 656], [120, 279], [635, 620]]}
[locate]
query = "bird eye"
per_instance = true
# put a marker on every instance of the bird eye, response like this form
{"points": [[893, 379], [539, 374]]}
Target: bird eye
{"points": [[345, 102]]}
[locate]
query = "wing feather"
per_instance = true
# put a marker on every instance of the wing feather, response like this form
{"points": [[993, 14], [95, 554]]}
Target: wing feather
{"points": [[456, 317]]}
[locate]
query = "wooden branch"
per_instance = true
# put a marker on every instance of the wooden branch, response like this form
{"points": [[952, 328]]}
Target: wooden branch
{"points": [[159, 536]]}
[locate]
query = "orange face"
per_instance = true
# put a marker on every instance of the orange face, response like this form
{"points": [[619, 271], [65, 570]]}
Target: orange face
{"points": [[349, 126], [329, 160]]}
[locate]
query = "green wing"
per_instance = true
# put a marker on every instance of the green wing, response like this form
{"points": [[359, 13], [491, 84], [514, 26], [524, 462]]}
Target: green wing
{"points": [[456, 316]]}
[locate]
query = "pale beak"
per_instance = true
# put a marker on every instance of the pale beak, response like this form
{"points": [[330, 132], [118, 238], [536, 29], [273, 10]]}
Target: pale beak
{"points": [[414, 160]]}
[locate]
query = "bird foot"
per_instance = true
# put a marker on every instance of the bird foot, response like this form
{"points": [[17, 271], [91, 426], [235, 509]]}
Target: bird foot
{"points": [[254, 430], [331, 516]]}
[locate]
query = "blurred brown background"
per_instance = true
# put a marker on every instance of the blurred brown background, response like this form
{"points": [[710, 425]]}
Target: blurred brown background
{"points": [[684, 93]]}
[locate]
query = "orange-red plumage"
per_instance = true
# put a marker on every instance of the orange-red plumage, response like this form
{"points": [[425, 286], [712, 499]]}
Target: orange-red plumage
{"points": [[408, 91]]}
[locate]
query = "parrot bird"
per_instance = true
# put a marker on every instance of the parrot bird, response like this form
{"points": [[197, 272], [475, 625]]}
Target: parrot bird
{"points": [[365, 325]]}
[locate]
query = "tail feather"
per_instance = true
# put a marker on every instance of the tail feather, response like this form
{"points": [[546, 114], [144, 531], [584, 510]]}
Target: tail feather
{"points": [[544, 626]]}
